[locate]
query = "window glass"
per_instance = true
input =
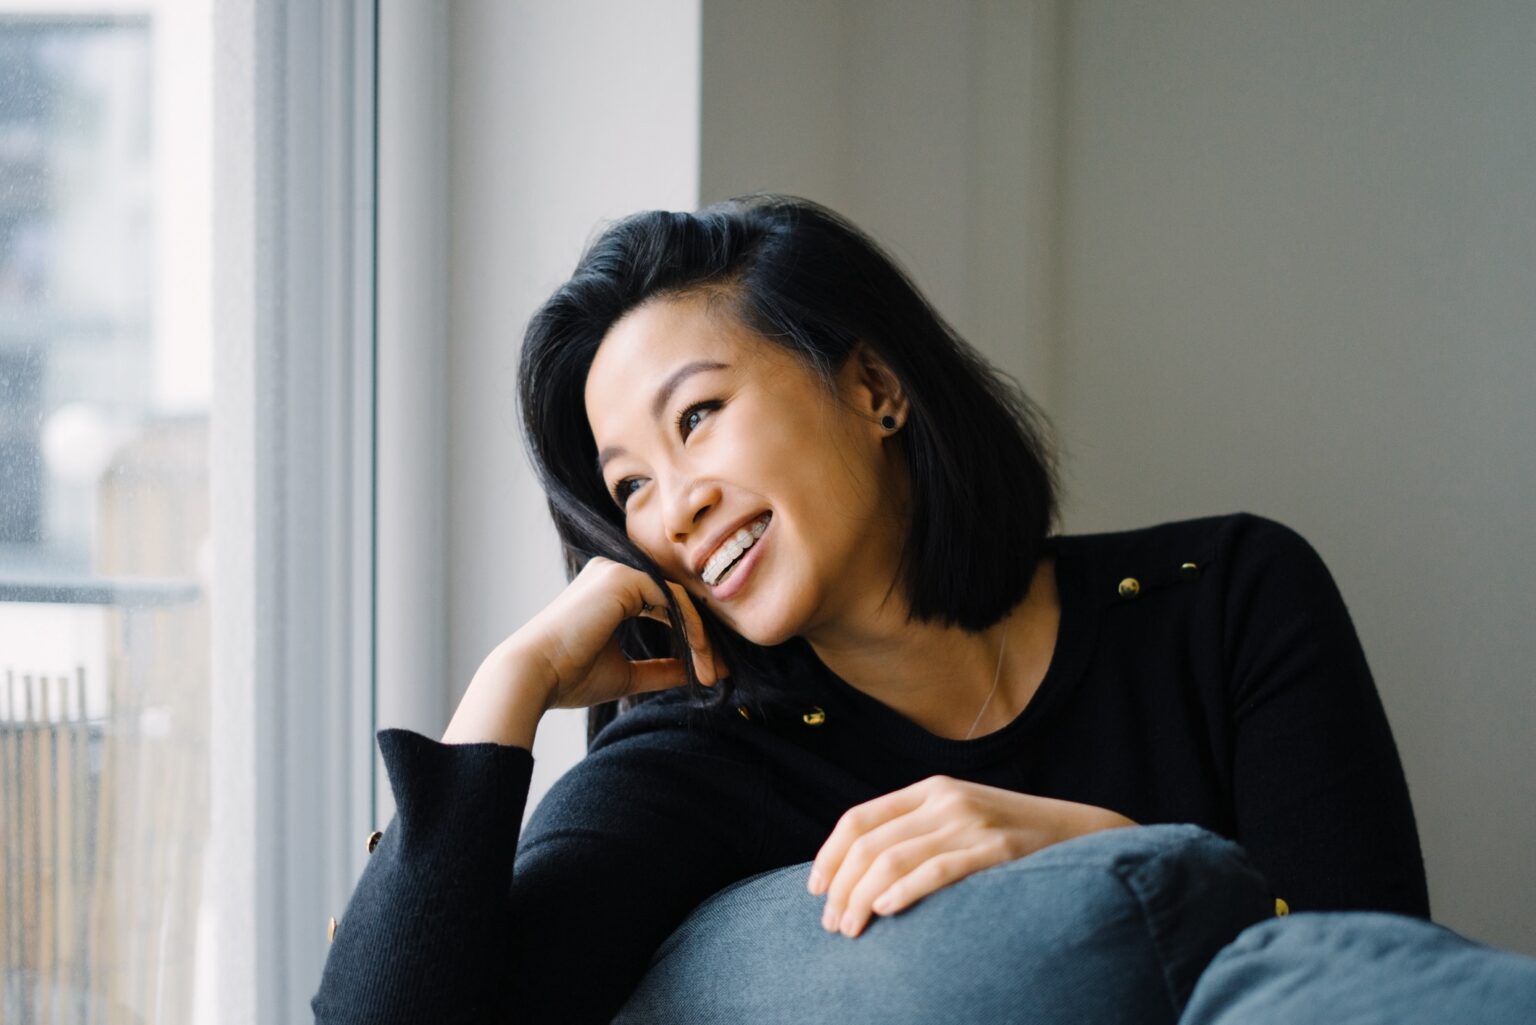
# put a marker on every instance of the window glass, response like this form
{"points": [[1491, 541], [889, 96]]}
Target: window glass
{"points": [[105, 358]]}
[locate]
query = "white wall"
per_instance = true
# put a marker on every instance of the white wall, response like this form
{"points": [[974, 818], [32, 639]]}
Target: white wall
{"points": [[562, 115], [1299, 273]]}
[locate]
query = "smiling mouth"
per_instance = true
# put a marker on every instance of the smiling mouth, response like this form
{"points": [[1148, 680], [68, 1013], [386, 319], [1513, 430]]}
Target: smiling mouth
{"points": [[734, 551]]}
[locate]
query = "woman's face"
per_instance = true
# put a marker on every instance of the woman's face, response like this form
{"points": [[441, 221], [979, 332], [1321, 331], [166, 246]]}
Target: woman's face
{"points": [[703, 427]]}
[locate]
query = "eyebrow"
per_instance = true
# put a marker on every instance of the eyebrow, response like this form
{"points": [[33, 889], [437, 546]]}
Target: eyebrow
{"points": [[663, 395]]}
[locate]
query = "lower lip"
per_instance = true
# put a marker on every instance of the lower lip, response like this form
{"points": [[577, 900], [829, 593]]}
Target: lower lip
{"points": [[738, 578]]}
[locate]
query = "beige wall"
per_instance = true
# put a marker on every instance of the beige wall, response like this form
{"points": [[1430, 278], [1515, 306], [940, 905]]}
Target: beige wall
{"points": [[930, 125], [1299, 278], [1274, 257]]}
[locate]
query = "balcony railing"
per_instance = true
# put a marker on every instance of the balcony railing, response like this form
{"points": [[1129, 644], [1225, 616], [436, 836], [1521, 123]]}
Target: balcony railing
{"points": [[102, 779]]}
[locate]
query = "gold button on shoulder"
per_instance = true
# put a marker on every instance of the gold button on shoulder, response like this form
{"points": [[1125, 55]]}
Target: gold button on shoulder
{"points": [[815, 717], [1281, 907], [330, 931], [1130, 587], [373, 840], [742, 709]]}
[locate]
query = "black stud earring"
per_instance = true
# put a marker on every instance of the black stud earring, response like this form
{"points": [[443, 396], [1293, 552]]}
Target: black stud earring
{"points": [[888, 422]]}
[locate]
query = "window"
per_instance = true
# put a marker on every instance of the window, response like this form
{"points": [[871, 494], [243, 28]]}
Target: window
{"points": [[104, 526], [185, 520]]}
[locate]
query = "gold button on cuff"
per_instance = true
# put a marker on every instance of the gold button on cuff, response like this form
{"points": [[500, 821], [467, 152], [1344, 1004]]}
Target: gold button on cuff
{"points": [[1281, 907], [815, 717], [1130, 587], [1189, 569], [330, 931], [743, 710], [373, 840]]}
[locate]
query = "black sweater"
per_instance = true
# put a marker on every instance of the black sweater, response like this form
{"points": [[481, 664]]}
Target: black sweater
{"points": [[1233, 694]]}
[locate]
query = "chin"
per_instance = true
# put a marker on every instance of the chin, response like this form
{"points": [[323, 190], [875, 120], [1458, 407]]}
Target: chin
{"points": [[770, 640], [768, 631]]}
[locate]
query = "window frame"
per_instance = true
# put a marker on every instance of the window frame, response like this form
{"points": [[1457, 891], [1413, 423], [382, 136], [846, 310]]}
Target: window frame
{"points": [[293, 488]]}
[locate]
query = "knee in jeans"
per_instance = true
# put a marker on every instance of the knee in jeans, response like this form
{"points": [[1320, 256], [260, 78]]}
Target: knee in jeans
{"points": [[1163, 853], [1109, 927]]}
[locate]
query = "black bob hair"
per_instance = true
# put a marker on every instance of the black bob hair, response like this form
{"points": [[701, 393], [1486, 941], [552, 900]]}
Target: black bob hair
{"points": [[984, 480]]}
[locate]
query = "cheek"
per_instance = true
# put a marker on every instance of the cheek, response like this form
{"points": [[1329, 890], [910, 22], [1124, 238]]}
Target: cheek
{"points": [[645, 534]]}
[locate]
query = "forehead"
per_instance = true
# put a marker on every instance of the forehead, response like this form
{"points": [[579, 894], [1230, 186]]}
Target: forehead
{"points": [[643, 347]]}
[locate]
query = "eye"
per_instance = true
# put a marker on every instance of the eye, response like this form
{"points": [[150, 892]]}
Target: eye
{"points": [[685, 426], [686, 416], [620, 494]]}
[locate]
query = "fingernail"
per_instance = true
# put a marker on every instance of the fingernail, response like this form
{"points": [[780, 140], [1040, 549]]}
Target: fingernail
{"points": [[814, 884], [883, 904], [848, 923], [826, 921]]}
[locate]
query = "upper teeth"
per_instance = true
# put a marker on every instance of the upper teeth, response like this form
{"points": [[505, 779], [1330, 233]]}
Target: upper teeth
{"points": [[732, 548]]}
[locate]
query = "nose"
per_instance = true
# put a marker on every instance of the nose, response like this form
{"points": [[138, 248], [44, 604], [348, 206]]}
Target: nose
{"points": [[684, 506]]}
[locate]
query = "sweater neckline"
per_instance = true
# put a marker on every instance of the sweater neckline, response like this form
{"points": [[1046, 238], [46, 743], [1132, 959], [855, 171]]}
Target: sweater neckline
{"points": [[884, 725]]}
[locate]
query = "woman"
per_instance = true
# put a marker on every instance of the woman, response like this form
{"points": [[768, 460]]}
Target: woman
{"points": [[809, 535]]}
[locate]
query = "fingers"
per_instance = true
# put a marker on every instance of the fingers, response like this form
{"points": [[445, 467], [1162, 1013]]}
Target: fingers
{"points": [[639, 597], [854, 823], [655, 674], [652, 602], [874, 862], [653, 605], [703, 652], [932, 869], [887, 853]]}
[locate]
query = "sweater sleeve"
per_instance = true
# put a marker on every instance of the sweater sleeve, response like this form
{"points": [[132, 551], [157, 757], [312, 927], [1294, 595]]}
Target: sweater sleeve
{"points": [[461, 916], [1322, 803]]}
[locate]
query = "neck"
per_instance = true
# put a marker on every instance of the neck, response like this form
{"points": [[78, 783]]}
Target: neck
{"points": [[998, 675], [940, 676]]}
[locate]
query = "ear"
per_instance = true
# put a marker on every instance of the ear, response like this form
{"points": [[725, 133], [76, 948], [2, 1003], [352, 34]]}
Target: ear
{"points": [[873, 387]]}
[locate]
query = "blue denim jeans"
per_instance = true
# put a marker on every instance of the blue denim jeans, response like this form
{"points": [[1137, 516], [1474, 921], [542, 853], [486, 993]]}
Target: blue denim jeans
{"points": [[1147, 924], [1115, 926], [1362, 968]]}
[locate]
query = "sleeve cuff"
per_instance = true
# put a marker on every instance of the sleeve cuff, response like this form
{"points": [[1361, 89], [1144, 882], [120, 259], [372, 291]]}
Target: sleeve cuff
{"points": [[445, 793]]}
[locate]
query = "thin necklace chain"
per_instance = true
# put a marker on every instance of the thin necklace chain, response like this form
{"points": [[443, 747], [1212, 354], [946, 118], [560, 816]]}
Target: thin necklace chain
{"points": [[995, 677]]}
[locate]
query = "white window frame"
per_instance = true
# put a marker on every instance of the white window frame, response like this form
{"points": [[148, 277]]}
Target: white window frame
{"points": [[411, 686], [293, 489]]}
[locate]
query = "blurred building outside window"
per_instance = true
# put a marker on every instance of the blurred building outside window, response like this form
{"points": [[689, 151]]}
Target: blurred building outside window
{"points": [[106, 345]]}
